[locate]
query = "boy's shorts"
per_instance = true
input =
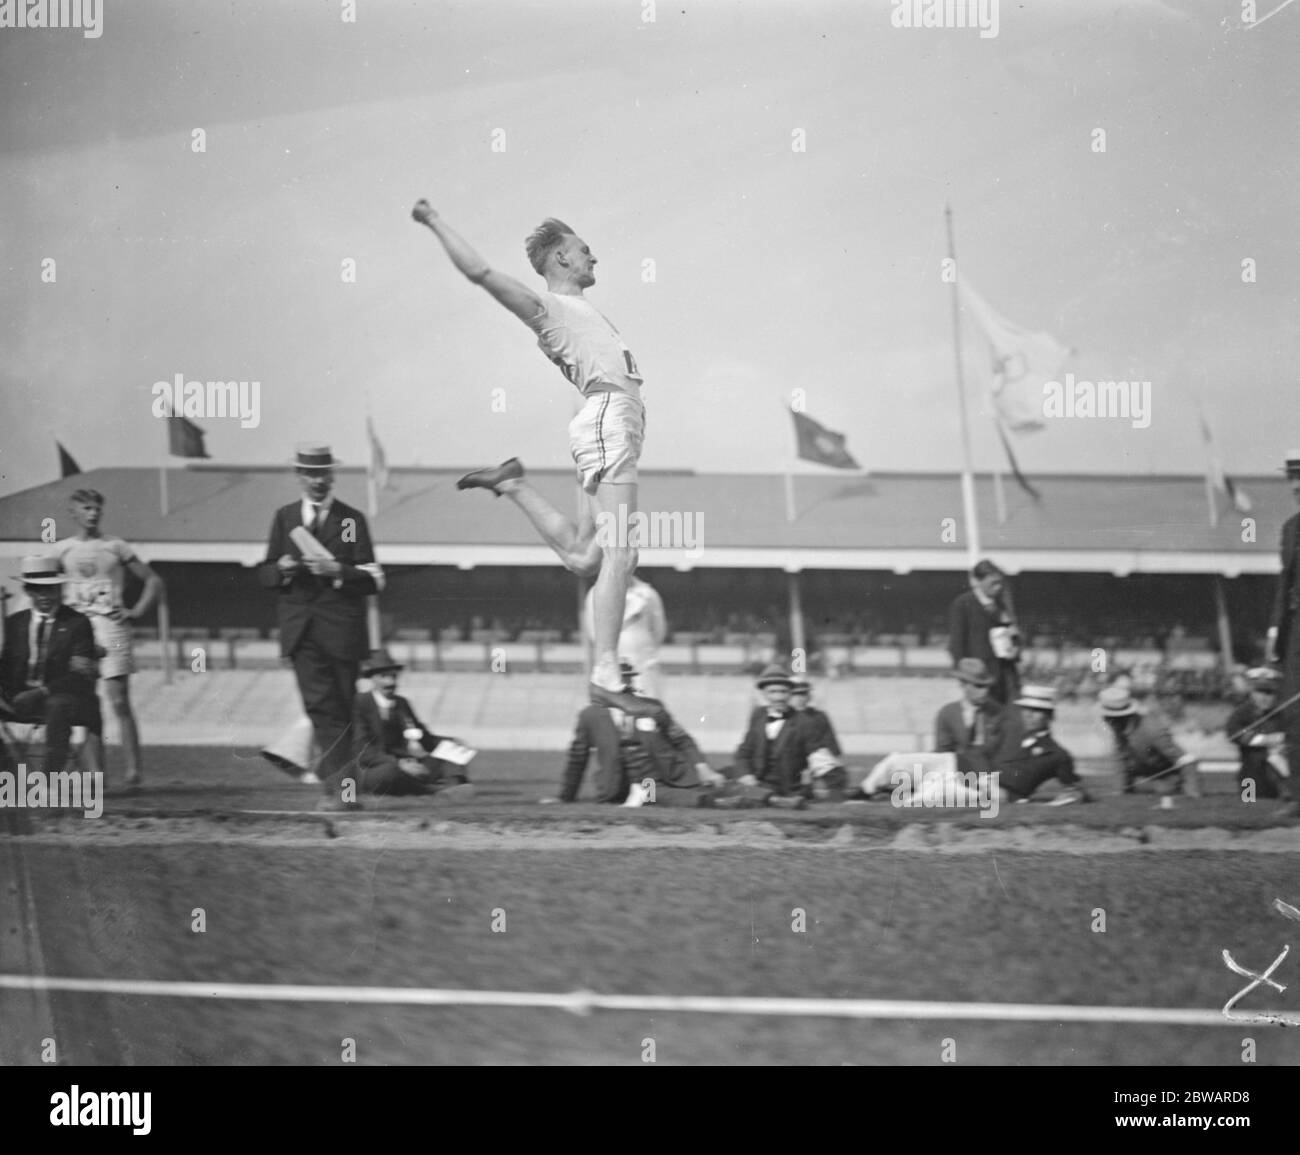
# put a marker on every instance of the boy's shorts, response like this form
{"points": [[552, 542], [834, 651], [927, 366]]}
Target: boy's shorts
{"points": [[114, 638]]}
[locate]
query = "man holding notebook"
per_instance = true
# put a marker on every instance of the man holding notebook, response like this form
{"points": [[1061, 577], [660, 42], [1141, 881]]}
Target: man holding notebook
{"points": [[320, 561]]}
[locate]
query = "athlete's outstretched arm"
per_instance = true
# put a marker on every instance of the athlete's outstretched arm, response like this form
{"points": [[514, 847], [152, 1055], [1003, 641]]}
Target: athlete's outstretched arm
{"points": [[514, 295]]}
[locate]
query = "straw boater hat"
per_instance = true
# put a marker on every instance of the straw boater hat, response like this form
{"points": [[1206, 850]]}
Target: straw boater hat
{"points": [[800, 686], [1292, 467], [42, 570], [974, 671], [774, 675], [1116, 702], [1037, 698], [379, 661], [312, 455], [1263, 678]]}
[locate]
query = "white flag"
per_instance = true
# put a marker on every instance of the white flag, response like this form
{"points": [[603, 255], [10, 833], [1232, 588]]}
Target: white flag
{"points": [[1019, 364]]}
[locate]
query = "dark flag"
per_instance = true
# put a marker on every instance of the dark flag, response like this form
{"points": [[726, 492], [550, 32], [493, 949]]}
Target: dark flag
{"points": [[67, 465], [819, 444], [184, 438]]}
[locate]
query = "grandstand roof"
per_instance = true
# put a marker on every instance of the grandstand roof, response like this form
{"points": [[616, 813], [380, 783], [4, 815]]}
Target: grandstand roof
{"points": [[1092, 523]]}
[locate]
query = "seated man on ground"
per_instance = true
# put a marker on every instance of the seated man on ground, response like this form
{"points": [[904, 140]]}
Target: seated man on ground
{"points": [[960, 779], [1148, 756], [647, 760], [774, 752], [1258, 731], [48, 667], [977, 725], [825, 773], [392, 748]]}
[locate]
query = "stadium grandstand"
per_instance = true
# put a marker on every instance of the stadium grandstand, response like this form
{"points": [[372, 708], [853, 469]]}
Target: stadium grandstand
{"points": [[861, 576]]}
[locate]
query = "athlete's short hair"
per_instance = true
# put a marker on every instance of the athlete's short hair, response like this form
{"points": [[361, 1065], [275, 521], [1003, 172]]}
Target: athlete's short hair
{"points": [[545, 237], [87, 497], [985, 568]]}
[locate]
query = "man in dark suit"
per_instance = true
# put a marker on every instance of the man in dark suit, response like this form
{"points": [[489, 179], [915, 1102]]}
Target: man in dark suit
{"points": [[982, 624], [48, 667], [1255, 727], [976, 727], [826, 771], [322, 607], [1284, 630], [392, 747], [632, 751], [774, 752]]}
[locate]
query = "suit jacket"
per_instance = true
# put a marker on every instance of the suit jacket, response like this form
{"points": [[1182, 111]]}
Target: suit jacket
{"points": [[70, 659], [1286, 603], [1254, 750], [662, 751], [1031, 762], [336, 616], [777, 764], [377, 740], [821, 734], [969, 623], [1002, 732]]}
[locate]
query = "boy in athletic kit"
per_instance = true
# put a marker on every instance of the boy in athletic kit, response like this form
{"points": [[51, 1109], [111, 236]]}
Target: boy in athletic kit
{"points": [[96, 564], [605, 437]]}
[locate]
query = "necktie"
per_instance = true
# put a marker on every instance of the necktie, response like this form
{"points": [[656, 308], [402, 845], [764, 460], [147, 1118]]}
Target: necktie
{"points": [[38, 660], [317, 518], [977, 729]]}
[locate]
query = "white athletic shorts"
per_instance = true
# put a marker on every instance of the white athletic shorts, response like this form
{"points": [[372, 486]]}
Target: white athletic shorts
{"points": [[605, 439], [114, 638]]}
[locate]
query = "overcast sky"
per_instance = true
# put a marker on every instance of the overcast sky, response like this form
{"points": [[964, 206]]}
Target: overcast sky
{"points": [[670, 141]]}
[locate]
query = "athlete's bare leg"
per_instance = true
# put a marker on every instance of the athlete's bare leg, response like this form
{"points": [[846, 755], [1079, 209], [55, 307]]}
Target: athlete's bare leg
{"points": [[574, 544], [120, 699], [617, 563]]}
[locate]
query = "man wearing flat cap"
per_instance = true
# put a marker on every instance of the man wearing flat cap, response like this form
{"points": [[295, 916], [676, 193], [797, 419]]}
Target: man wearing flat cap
{"points": [[1255, 727], [1283, 646], [320, 562], [392, 747], [48, 666], [977, 727]]}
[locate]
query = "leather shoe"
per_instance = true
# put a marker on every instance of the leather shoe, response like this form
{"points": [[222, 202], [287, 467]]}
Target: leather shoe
{"points": [[631, 704], [511, 470]]}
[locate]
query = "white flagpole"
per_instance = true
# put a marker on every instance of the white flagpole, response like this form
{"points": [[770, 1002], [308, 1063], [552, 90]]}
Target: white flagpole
{"points": [[968, 473], [162, 489], [790, 508]]}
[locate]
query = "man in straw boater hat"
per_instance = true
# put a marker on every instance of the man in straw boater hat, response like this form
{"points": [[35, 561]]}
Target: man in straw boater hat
{"points": [[1255, 727], [1038, 757], [1283, 647], [1148, 755], [48, 666], [392, 747], [605, 437], [321, 564]]}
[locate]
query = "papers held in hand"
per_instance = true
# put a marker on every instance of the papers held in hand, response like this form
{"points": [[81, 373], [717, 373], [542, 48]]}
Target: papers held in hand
{"points": [[454, 752], [302, 537]]}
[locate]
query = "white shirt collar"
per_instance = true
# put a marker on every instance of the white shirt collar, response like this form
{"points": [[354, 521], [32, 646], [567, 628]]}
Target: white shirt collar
{"points": [[385, 702], [309, 508]]}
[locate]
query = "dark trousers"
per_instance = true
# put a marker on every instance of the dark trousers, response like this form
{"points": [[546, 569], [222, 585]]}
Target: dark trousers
{"points": [[387, 777], [1006, 684], [328, 686], [61, 713], [1291, 715]]}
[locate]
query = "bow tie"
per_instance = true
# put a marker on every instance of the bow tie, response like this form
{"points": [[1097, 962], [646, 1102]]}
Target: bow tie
{"points": [[776, 715]]}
